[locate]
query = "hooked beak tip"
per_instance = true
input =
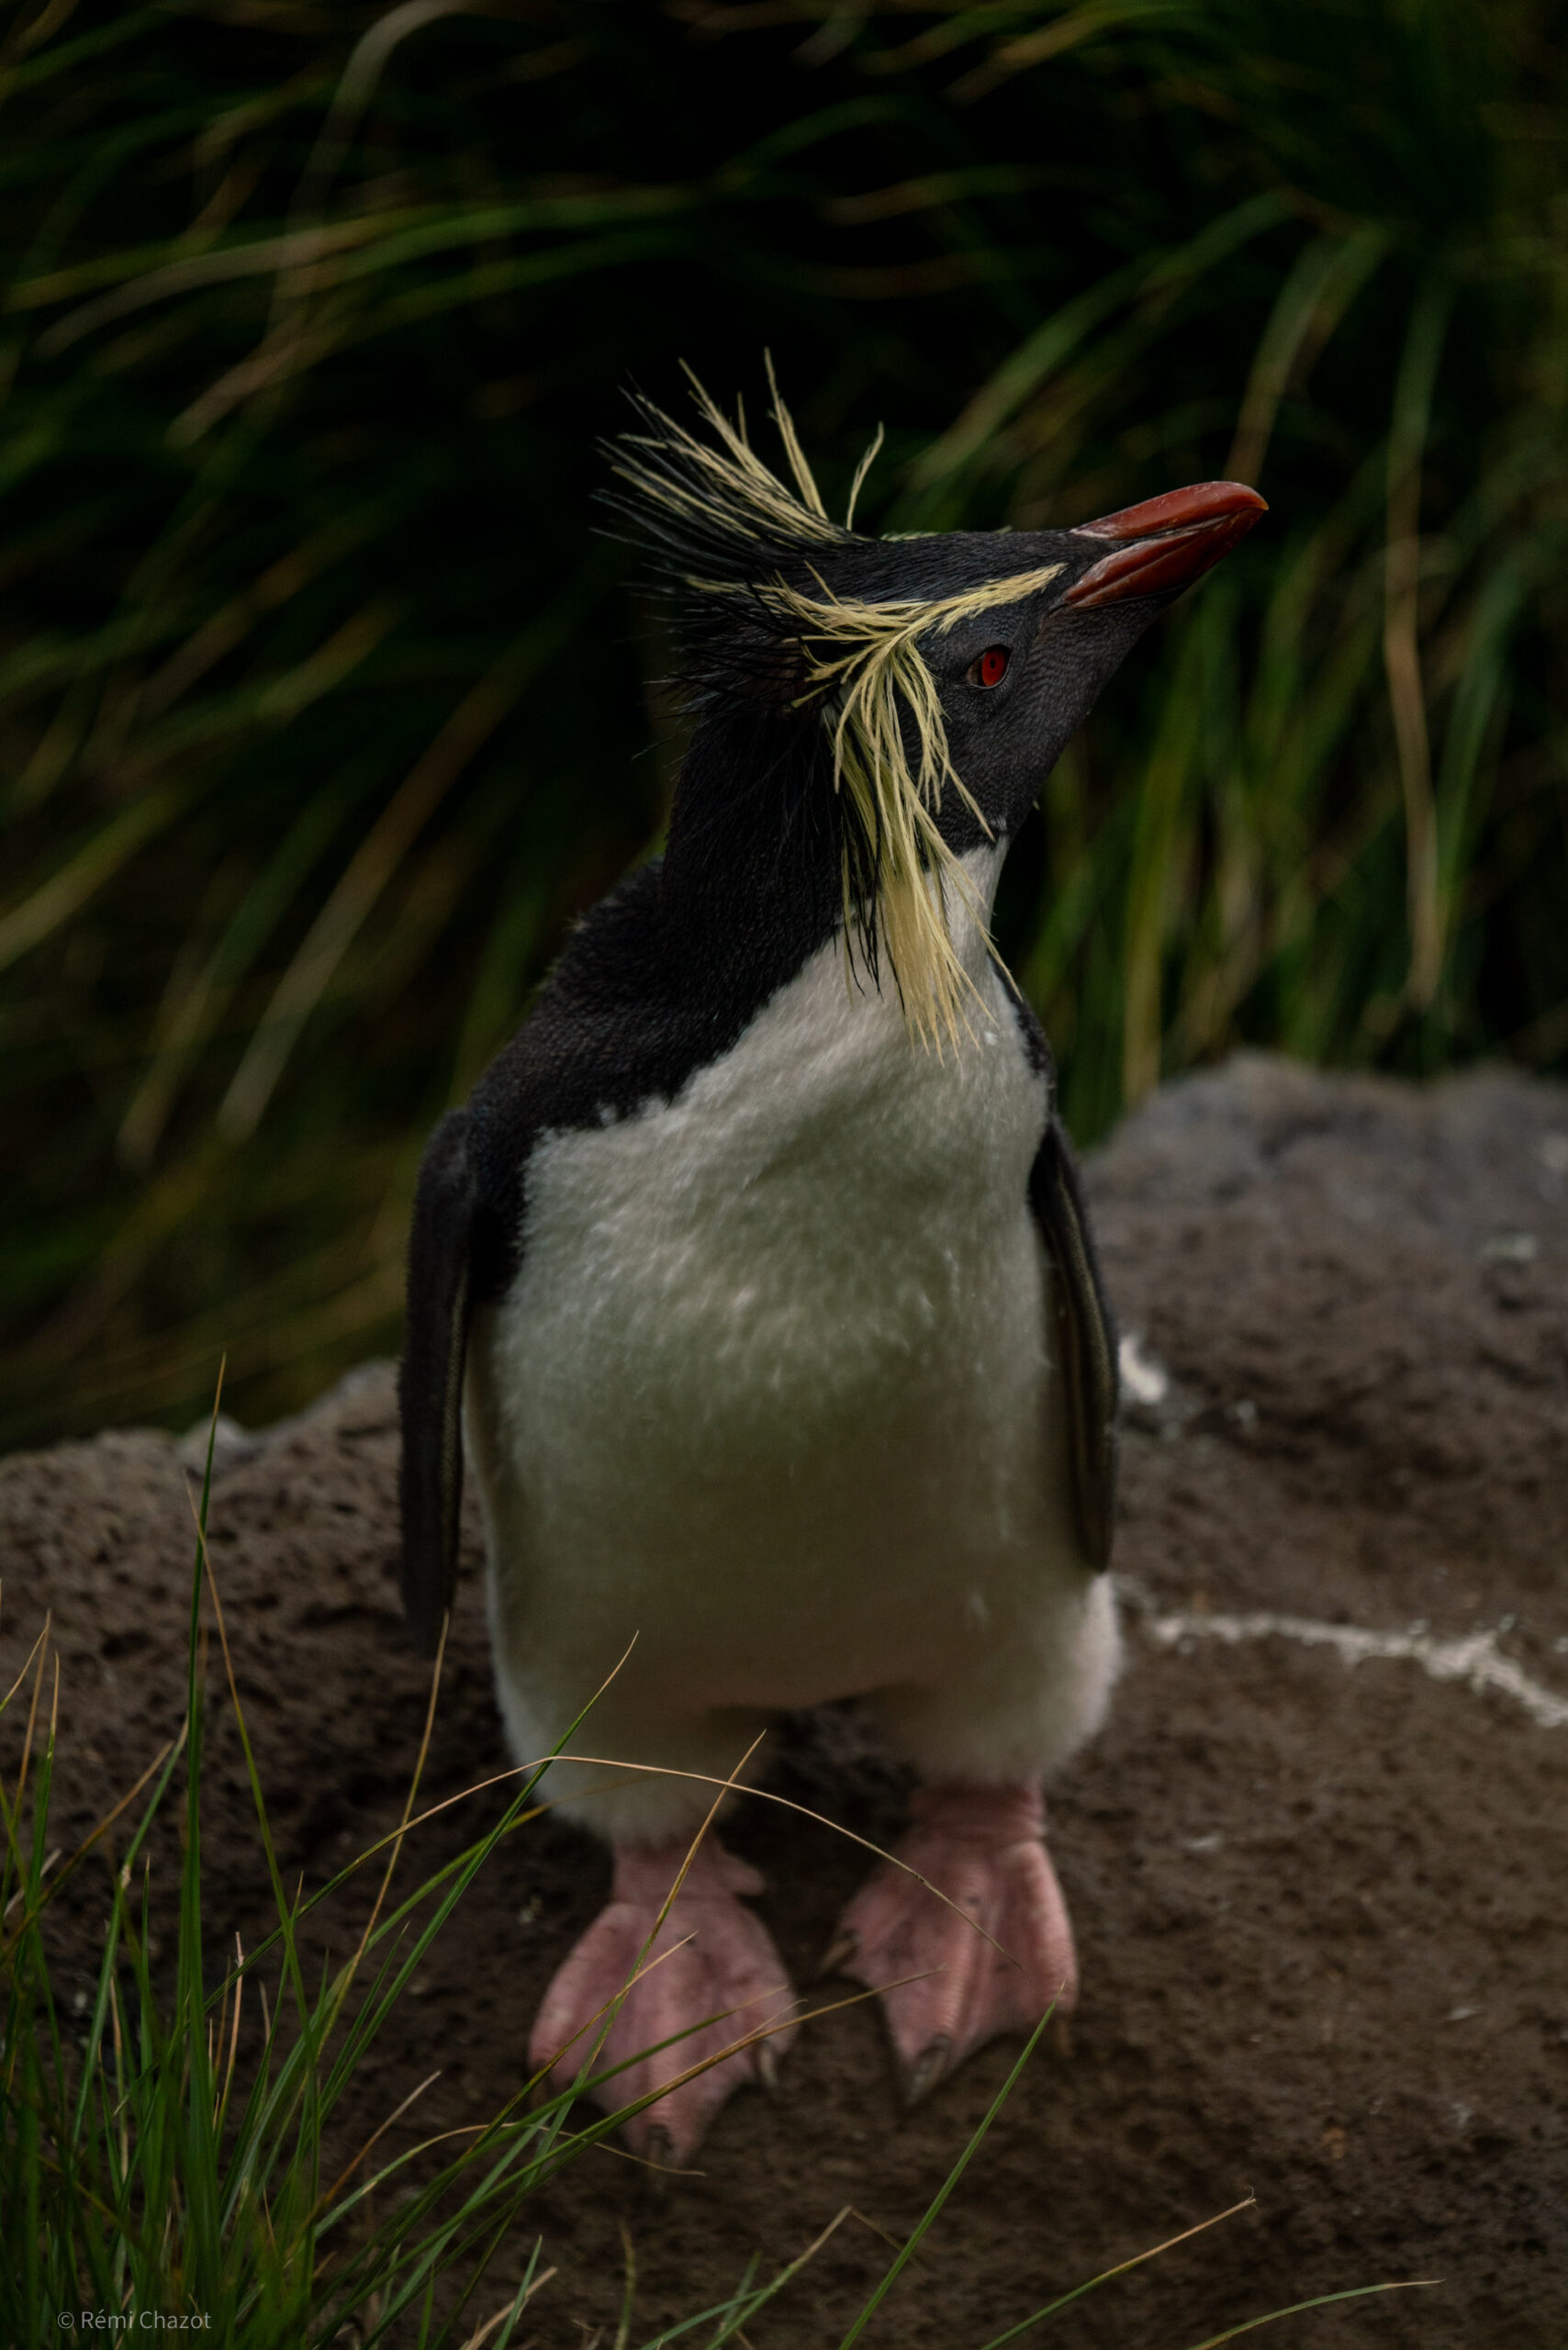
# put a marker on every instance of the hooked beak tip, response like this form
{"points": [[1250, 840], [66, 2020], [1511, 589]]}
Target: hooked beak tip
{"points": [[1161, 546]]}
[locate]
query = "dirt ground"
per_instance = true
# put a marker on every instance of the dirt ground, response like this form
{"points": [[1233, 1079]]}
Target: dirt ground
{"points": [[1321, 1903]]}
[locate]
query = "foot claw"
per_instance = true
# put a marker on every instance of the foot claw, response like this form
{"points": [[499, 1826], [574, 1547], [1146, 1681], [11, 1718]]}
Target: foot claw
{"points": [[927, 2070], [946, 1987], [709, 1977]]}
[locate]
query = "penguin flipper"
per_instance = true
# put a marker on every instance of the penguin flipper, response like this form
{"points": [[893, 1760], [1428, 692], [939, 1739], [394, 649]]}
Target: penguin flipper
{"points": [[1088, 1341], [430, 1383]]}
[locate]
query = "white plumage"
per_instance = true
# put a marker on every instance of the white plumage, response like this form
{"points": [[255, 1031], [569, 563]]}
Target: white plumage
{"points": [[772, 1393]]}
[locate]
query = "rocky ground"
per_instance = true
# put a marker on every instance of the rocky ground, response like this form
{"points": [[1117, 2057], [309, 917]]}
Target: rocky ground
{"points": [[1318, 1863]]}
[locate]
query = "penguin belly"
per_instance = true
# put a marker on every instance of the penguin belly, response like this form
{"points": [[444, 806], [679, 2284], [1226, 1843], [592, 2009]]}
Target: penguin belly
{"points": [[770, 1404]]}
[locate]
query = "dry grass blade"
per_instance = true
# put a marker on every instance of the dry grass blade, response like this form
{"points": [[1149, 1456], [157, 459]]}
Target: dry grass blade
{"points": [[1412, 408], [1321, 2302]]}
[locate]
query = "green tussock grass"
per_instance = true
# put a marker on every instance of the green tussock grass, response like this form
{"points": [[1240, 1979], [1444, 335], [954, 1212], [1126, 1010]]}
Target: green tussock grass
{"points": [[149, 2168], [323, 710], [145, 2168]]}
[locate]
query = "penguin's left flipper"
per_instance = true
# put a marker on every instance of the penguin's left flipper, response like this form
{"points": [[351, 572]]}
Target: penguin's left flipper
{"points": [[1087, 1341], [441, 1252]]}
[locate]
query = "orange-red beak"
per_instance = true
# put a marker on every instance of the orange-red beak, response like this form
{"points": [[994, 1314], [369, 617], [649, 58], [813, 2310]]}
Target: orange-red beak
{"points": [[1167, 542]]}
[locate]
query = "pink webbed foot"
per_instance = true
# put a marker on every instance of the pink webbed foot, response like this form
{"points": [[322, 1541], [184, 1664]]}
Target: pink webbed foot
{"points": [[981, 1847], [727, 1970]]}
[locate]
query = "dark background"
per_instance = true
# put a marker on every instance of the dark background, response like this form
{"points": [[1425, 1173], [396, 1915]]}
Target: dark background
{"points": [[323, 709]]}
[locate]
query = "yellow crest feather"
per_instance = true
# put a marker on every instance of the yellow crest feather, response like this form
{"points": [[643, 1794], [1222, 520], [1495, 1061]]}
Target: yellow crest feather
{"points": [[867, 658]]}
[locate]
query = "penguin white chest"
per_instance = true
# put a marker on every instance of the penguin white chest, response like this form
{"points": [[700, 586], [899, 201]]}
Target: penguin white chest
{"points": [[770, 1389]]}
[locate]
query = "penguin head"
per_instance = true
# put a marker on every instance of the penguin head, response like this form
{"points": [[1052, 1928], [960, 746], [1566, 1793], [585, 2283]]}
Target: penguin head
{"points": [[920, 687], [1029, 626]]}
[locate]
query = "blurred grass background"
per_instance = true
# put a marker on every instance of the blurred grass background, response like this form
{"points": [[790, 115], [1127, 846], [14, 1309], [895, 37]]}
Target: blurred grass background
{"points": [[323, 710]]}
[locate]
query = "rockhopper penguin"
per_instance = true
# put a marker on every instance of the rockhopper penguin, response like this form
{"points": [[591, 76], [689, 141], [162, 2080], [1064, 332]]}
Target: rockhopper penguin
{"points": [[755, 1280]]}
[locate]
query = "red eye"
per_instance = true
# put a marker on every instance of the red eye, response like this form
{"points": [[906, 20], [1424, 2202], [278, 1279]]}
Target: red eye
{"points": [[991, 666]]}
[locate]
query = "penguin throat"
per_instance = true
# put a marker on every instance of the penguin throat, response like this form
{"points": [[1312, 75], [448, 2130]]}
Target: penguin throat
{"points": [[769, 857]]}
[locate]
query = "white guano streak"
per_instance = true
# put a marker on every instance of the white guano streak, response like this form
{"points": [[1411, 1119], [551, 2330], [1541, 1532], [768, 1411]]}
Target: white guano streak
{"points": [[1473, 1658]]}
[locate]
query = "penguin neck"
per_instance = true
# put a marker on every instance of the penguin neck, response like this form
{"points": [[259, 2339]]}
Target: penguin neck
{"points": [[751, 885]]}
